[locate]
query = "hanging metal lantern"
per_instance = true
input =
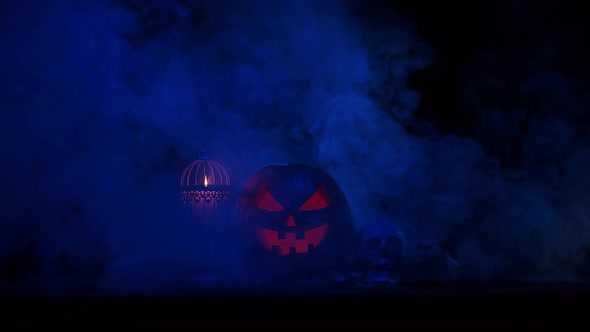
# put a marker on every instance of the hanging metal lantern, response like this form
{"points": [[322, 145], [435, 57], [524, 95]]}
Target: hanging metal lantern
{"points": [[205, 187]]}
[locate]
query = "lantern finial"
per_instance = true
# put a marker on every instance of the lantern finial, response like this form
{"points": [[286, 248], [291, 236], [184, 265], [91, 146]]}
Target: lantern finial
{"points": [[203, 154]]}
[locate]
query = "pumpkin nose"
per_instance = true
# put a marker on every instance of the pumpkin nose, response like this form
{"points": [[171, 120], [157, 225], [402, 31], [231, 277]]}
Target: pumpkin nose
{"points": [[290, 220]]}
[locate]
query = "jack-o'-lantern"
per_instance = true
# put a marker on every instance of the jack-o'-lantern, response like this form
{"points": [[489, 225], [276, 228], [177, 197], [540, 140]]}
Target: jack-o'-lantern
{"points": [[298, 214]]}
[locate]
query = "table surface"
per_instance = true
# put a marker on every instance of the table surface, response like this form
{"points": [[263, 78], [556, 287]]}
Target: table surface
{"points": [[191, 287]]}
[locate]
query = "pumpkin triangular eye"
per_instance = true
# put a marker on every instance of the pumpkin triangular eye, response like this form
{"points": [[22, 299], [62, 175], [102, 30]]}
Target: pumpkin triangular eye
{"points": [[265, 201], [319, 200]]}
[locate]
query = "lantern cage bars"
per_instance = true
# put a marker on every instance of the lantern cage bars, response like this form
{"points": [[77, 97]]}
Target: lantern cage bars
{"points": [[205, 185]]}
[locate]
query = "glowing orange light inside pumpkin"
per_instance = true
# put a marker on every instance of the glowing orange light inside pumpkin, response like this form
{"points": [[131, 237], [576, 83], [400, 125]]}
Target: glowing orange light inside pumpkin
{"points": [[205, 180], [319, 200]]}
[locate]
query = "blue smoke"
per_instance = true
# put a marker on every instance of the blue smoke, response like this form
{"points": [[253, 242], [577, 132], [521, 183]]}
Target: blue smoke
{"points": [[105, 103]]}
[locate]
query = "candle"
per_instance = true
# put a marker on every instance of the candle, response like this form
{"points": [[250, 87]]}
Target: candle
{"points": [[205, 188]]}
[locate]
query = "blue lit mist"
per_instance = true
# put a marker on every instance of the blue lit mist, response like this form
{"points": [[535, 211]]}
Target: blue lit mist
{"points": [[104, 103]]}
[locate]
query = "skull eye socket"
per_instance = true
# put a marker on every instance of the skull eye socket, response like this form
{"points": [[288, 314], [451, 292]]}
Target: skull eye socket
{"points": [[319, 200], [265, 201], [373, 243]]}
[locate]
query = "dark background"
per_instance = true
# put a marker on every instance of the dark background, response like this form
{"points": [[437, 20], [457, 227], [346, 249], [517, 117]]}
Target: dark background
{"points": [[464, 122]]}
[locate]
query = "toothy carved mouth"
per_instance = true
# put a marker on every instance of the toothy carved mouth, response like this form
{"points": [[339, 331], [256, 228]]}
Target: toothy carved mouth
{"points": [[312, 237]]}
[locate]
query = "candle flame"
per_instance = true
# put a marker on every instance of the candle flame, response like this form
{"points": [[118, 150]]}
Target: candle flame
{"points": [[206, 181]]}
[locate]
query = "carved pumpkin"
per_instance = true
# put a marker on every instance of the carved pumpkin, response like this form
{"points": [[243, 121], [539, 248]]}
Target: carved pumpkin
{"points": [[297, 213]]}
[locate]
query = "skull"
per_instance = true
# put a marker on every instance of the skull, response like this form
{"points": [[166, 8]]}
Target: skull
{"points": [[381, 245]]}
